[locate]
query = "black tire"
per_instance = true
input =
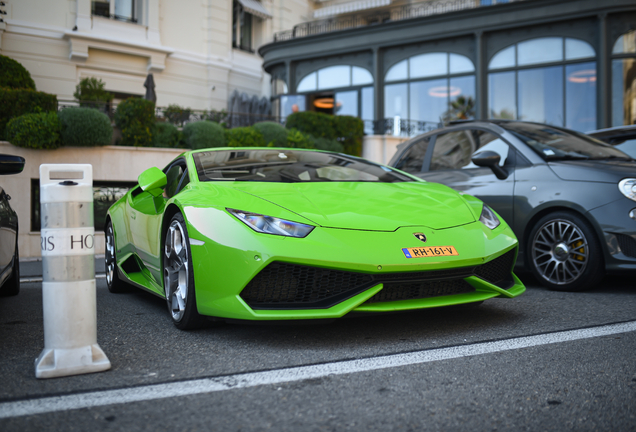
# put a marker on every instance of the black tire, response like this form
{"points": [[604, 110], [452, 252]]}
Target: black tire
{"points": [[114, 283], [178, 277], [11, 286], [564, 253]]}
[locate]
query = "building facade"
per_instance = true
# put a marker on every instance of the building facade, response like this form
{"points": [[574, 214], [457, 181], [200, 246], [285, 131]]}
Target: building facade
{"points": [[406, 67]]}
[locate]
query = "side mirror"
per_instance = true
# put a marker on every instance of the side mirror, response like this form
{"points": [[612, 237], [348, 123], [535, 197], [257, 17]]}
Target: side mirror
{"points": [[491, 160], [10, 164], [153, 180]]}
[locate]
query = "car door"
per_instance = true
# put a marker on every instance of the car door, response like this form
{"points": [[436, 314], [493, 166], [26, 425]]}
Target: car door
{"points": [[146, 212], [448, 161], [8, 230]]}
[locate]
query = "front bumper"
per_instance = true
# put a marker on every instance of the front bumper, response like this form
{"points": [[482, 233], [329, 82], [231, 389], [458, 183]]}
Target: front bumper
{"points": [[232, 256], [618, 233]]}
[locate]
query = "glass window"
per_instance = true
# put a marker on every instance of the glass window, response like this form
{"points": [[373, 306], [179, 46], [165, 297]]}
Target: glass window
{"points": [[577, 49], [398, 72], [462, 98], [101, 8], [460, 64], [501, 95], [541, 50], [628, 147], [396, 100], [413, 159], [291, 104], [580, 100], [623, 92], [368, 109], [346, 103], [540, 93], [429, 99], [360, 76], [241, 28], [626, 43], [334, 76], [504, 58], [278, 87], [173, 175], [308, 83], [427, 65], [453, 150]]}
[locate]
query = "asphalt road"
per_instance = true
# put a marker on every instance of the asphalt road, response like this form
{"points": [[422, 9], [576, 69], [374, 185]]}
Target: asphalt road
{"points": [[543, 361]]}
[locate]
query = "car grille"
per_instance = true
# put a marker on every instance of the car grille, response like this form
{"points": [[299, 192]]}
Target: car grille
{"points": [[292, 286], [627, 245]]}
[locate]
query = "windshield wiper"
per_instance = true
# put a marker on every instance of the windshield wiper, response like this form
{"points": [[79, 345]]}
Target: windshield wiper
{"points": [[613, 158], [566, 157]]}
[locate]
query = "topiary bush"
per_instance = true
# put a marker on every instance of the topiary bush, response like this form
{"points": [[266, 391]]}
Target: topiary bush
{"points": [[17, 102], [274, 134], [297, 139], [37, 131], [329, 145], [85, 127], [349, 131], [14, 75], [135, 117], [317, 124], [167, 135], [203, 134], [244, 137]]}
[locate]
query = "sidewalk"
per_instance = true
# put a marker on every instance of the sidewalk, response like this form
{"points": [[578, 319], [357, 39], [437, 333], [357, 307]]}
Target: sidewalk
{"points": [[31, 269]]}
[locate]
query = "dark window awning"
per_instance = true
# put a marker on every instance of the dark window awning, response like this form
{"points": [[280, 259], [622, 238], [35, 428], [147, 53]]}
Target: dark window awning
{"points": [[255, 8]]}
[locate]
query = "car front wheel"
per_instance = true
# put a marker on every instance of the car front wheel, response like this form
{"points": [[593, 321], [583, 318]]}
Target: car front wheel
{"points": [[178, 280], [113, 282], [564, 252]]}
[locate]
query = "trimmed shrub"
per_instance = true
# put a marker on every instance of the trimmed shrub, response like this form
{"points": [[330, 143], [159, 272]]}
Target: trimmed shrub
{"points": [[349, 131], [135, 117], [297, 139], [244, 137], [177, 114], [14, 75], [273, 133], [167, 135], [17, 102], [329, 145], [203, 134], [37, 131], [85, 127], [317, 124]]}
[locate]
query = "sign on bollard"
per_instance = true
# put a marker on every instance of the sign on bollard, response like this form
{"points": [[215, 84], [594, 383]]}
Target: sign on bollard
{"points": [[67, 240]]}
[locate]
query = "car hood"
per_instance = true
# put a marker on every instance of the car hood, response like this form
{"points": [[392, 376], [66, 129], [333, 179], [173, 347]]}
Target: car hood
{"points": [[366, 206], [594, 171]]}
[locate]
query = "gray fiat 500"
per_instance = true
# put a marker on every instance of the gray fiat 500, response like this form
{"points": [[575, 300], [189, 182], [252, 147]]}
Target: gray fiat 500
{"points": [[570, 199]]}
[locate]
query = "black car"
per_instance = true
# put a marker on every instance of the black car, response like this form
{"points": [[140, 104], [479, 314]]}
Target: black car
{"points": [[570, 199], [621, 137], [9, 257]]}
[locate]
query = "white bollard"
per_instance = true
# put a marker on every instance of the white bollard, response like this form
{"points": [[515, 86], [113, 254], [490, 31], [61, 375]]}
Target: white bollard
{"points": [[68, 273]]}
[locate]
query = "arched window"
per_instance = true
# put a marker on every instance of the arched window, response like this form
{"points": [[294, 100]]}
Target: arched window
{"points": [[430, 87], [549, 80], [624, 80]]}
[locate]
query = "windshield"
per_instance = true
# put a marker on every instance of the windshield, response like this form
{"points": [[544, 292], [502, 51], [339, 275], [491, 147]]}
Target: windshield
{"points": [[559, 144], [290, 166]]}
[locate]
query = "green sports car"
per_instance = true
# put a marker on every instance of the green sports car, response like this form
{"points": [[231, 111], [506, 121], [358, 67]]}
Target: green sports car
{"points": [[287, 234]]}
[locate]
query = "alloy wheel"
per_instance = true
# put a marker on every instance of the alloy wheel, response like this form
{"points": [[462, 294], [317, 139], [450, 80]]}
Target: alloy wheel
{"points": [[560, 251], [110, 256], [176, 271]]}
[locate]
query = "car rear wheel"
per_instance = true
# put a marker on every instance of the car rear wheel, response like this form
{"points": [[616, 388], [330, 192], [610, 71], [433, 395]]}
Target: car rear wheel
{"points": [[564, 253], [11, 286], [178, 279], [114, 283]]}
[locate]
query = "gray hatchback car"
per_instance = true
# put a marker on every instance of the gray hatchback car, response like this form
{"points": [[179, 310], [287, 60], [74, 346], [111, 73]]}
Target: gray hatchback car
{"points": [[570, 199]]}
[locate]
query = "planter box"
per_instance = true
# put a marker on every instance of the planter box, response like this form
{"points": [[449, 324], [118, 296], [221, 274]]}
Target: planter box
{"points": [[110, 163]]}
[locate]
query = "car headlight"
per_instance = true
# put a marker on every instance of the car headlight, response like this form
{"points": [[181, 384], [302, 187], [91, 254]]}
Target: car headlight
{"points": [[271, 225], [628, 188], [489, 218]]}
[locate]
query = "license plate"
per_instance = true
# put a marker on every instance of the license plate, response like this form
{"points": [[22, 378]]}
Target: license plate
{"points": [[429, 251]]}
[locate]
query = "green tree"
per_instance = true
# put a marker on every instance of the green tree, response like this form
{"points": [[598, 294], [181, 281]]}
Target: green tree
{"points": [[92, 90]]}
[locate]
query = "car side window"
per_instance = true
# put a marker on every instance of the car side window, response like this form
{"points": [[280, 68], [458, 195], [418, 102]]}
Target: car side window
{"points": [[185, 179], [453, 150], [413, 158], [173, 175]]}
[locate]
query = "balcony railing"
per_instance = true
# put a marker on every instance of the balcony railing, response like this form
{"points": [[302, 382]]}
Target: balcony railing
{"points": [[414, 10]]}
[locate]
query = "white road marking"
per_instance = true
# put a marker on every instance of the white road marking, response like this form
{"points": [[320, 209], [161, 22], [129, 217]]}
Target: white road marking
{"points": [[39, 278], [208, 385]]}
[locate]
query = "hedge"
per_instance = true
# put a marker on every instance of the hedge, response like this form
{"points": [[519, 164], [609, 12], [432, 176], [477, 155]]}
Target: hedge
{"points": [[16, 102], [203, 134], [167, 135], [37, 131], [135, 117], [85, 127], [297, 139], [14, 75], [329, 145], [346, 129], [273, 133], [349, 131], [244, 137], [317, 124]]}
